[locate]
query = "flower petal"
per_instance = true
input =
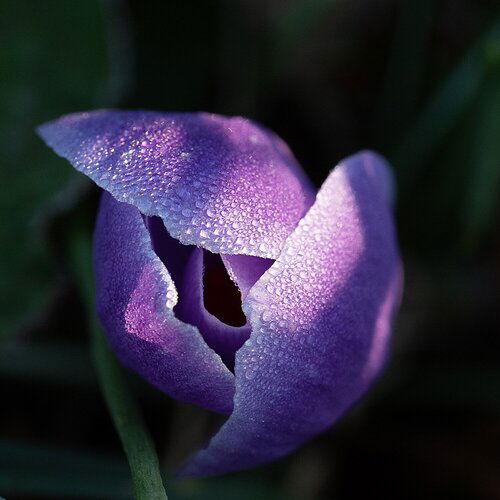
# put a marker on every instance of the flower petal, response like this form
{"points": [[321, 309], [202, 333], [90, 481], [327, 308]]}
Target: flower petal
{"points": [[225, 184], [245, 270], [135, 301], [224, 339], [320, 322]]}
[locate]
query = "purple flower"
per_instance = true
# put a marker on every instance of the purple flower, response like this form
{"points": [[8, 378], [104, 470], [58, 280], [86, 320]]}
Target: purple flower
{"points": [[226, 281]]}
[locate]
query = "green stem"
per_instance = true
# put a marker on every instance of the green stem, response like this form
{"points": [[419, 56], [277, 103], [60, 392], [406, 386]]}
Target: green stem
{"points": [[128, 422]]}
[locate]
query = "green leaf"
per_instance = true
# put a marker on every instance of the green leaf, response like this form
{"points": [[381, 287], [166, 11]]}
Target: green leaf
{"points": [[482, 196], [54, 60], [135, 438], [443, 110]]}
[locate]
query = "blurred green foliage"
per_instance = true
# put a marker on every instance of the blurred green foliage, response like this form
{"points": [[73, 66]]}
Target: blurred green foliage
{"points": [[54, 60], [416, 79]]}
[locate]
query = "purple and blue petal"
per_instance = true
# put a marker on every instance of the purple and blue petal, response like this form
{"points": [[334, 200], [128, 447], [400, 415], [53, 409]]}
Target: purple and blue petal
{"points": [[320, 318], [135, 300], [225, 184], [319, 281]]}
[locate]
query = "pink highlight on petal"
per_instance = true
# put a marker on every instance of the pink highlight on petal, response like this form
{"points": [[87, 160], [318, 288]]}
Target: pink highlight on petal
{"points": [[378, 350]]}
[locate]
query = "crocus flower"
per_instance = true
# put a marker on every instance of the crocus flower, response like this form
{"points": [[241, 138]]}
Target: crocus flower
{"points": [[227, 281]]}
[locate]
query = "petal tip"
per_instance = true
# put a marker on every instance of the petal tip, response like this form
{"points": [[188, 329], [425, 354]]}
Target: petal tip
{"points": [[181, 166], [43, 131], [378, 169]]}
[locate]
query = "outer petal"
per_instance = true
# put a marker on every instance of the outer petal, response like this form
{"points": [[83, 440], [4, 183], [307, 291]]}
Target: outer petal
{"points": [[135, 298], [225, 184], [321, 318]]}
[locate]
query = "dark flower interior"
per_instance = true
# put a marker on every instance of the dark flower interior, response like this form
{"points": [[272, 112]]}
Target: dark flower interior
{"points": [[221, 295], [207, 296]]}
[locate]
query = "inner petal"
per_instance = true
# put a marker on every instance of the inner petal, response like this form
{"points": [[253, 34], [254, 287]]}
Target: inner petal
{"points": [[210, 289], [245, 270], [221, 296]]}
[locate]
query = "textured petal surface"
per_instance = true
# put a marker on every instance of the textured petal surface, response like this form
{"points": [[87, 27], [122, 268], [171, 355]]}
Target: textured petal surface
{"points": [[321, 318], [185, 265], [221, 337], [245, 270], [225, 184], [135, 301]]}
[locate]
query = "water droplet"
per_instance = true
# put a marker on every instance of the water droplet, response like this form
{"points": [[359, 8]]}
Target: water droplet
{"points": [[266, 315]]}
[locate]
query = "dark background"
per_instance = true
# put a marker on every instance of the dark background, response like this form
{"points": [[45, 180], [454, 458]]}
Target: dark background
{"points": [[418, 80]]}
